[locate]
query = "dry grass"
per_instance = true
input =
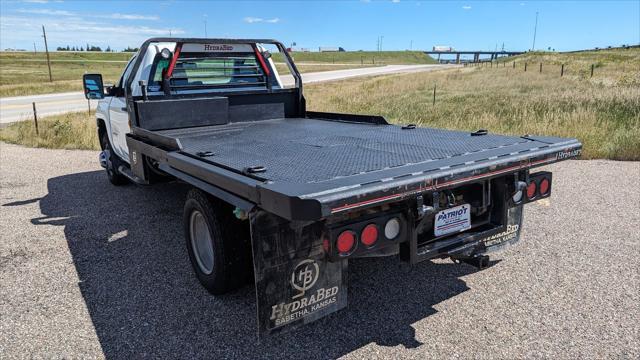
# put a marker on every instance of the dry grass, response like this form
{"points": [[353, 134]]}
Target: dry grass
{"points": [[603, 112], [68, 131]]}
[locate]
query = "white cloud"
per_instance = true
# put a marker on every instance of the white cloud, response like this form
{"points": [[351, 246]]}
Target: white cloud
{"points": [[16, 31], [115, 16], [120, 16], [467, 7], [395, 1], [46, 12], [252, 20], [36, 1]]}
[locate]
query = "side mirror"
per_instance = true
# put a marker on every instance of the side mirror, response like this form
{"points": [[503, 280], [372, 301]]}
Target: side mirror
{"points": [[92, 84], [266, 54]]}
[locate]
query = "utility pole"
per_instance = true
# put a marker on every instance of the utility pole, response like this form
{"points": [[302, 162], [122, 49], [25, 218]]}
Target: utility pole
{"points": [[381, 37], [46, 48], [535, 30], [411, 45], [205, 25], [34, 48]]}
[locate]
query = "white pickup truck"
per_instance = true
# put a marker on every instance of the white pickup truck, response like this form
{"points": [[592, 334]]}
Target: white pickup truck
{"points": [[283, 197]]}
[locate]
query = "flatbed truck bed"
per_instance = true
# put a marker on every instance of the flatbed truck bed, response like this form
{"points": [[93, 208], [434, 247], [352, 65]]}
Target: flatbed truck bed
{"points": [[318, 160]]}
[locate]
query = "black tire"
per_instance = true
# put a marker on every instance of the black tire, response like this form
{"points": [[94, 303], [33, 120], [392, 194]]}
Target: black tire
{"points": [[113, 162], [230, 241]]}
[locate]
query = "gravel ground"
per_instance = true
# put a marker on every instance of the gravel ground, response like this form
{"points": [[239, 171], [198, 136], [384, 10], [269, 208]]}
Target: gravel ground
{"points": [[90, 270]]}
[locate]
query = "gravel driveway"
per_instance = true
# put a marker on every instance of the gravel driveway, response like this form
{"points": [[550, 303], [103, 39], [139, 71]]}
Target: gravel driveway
{"points": [[90, 270]]}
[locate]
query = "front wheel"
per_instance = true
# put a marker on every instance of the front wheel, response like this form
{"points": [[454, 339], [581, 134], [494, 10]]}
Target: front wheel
{"points": [[217, 243], [110, 162]]}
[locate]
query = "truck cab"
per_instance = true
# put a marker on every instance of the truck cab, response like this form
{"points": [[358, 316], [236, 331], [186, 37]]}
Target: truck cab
{"points": [[232, 67]]}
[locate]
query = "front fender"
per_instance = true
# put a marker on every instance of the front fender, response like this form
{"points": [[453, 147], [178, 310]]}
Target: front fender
{"points": [[102, 117]]}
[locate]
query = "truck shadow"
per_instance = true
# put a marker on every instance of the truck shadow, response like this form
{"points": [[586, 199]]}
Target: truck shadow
{"points": [[128, 249]]}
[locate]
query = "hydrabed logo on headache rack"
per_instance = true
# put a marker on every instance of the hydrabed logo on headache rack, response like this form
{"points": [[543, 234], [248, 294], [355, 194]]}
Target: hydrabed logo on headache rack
{"points": [[303, 278], [213, 47]]}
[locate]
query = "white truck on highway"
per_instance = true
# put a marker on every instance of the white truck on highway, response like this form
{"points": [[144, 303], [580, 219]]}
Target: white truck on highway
{"points": [[443, 48], [283, 197]]}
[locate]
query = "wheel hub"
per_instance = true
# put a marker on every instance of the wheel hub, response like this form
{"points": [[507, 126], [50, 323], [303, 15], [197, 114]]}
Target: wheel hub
{"points": [[201, 242]]}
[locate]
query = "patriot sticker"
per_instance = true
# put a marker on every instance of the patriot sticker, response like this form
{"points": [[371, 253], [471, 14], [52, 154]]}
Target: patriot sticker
{"points": [[453, 220]]}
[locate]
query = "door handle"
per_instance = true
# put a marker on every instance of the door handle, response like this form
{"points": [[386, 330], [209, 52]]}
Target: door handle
{"points": [[123, 109]]}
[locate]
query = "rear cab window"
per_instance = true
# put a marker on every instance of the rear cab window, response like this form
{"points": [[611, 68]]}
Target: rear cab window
{"points": [[213, 66]]}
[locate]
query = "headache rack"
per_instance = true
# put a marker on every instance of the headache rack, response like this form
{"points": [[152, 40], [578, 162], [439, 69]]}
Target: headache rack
{"points": [[216, 70]]}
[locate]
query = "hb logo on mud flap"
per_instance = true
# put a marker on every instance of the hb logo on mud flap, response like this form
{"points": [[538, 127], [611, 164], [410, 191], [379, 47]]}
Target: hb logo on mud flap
{"points": [[304, 276]]}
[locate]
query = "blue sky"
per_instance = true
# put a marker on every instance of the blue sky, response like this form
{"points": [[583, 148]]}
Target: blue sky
{"points": [[353, 25]]}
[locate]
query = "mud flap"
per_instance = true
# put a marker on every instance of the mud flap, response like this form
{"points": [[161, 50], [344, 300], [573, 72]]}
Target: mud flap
{"points": [[295, 282], [509, 236]]}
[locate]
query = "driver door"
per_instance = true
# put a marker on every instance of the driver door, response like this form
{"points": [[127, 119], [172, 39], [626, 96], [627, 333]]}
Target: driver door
{"points": [[119, 117]]}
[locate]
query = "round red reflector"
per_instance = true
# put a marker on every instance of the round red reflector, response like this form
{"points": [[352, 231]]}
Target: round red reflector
{"points": [[544, 186], [369, 235], [346, 241], [531, 190]]}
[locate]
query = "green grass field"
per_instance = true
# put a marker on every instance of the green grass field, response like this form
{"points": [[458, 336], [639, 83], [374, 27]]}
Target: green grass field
{"points": [[360, 57], [26, 73], [602, 111]]}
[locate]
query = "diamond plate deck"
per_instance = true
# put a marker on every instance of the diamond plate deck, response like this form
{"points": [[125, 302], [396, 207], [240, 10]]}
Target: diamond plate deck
{"points": [[302, 150]]}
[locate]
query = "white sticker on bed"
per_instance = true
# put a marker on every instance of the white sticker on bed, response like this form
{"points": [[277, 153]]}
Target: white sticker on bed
{"points": [[452, 220]]}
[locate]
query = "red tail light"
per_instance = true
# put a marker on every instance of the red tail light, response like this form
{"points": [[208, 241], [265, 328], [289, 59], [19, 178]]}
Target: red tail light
{"points": [[544, 186], [369, 235], [346, 242], [531, 190]]}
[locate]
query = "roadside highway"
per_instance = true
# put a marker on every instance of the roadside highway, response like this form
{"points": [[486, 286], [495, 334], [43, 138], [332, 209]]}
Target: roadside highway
{"points": [[20, 108]]}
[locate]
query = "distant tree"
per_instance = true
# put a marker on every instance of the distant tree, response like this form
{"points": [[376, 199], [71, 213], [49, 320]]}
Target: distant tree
{"points": [[73, 48], [68, 48], [108, 49], [129, 49]]}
